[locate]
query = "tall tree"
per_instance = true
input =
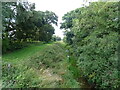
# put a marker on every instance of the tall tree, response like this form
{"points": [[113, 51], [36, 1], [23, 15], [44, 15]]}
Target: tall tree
{"points": [[22, 23]]}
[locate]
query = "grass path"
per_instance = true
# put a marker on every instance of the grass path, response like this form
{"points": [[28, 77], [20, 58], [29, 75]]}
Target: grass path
{"points": [[25, 53]]}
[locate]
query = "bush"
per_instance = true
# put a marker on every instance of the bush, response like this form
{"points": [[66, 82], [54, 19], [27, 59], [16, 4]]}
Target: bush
{"points": [[5, 45], [98, 60], [95, 42], [9, 74], [12, 46], [19, 76]]}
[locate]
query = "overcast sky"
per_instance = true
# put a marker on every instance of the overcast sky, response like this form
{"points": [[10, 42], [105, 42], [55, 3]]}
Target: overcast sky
{"points": [[59, 7]]}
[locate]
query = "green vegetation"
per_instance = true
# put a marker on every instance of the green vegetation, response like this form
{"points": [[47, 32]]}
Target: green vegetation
{"points": [[56, 38], [34, 57], [22, 24], [92, 34], [43, 66], [25, 53]]}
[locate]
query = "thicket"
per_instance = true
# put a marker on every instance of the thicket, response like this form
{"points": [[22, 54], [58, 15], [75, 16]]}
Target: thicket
{"points": [[22, 23], [92, 32]]}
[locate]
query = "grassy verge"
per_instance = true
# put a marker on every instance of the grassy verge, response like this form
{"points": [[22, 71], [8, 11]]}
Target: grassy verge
{"points": [[23, 54], [44, 66]]}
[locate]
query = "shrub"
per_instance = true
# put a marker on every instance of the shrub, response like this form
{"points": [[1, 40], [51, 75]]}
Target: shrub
{"points": [[95, 42], [19, 76], [5, 45]]}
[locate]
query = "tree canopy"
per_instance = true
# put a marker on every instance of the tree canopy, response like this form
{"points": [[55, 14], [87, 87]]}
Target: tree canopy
{"points": [[22, 23]]}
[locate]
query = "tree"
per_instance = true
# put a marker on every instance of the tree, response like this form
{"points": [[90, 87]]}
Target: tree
{"points": [[95, 41], [56, 38], [21, 23]]}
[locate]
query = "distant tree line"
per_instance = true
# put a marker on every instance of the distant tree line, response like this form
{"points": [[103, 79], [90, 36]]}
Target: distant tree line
{"points": [[56, 38], [22, 23]]}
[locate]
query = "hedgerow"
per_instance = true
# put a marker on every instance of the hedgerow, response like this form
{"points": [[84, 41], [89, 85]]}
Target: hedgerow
{"points": [[95, 42]]}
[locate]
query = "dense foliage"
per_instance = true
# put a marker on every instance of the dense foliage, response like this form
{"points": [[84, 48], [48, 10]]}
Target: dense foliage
{"points": [[92, 33], [21, 23]]}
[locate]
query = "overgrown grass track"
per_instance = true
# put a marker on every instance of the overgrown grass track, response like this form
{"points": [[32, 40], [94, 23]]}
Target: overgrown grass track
{"points": [[44, 66]]}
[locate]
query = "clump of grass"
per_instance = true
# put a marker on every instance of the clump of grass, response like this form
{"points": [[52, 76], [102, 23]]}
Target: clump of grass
{"points": [[17, 76]]}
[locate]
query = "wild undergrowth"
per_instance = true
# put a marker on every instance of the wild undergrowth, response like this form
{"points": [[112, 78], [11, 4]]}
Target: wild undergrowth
{"points": [[47, 68]]}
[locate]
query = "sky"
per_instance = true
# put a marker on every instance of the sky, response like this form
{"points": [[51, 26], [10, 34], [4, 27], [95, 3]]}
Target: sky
{"points": [[59, 7]]}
